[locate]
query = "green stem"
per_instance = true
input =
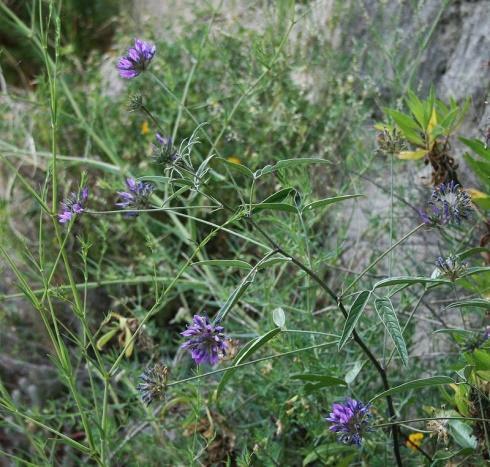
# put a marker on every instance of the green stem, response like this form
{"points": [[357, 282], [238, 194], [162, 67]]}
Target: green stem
{"points": [[379, 258]]}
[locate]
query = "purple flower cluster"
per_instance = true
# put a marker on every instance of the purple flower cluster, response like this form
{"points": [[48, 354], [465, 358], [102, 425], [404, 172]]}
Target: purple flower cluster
{"points": [[137, 59], [136, 197], [73, 204], [450, 204], [207, 343], [163, 151], [350, 421], [451, 267]]}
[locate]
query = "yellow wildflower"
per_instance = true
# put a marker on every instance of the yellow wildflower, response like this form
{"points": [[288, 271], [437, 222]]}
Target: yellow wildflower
{"points": [[414, 439], [145, 129]]}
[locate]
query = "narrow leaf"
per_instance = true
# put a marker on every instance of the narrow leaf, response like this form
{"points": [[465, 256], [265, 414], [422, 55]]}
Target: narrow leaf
{"points": [[354, 314], [415, 384], [408, 280], [326, 201], [287, 164], [235, 296], [316, 378], [473, 302], [387, 315], [232, 263]]}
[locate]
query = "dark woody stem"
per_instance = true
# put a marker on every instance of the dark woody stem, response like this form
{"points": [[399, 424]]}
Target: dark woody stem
{"points": [[358, 340], [338, 300]]}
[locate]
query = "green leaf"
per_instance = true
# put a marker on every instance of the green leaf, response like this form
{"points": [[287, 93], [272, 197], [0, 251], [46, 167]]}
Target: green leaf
{"points": [[248, 350], [274, 207], [478, 147], [354, 314], [326, 201], [408, 281], [316, 378], [481, 168], [235, 296], [471, 302], [279, 317], [272, 261], [231, 263], [387, 315], [287, 164], [403, 121], [473, 251], [481, 359], [417, 107], [459, 430], [351, 375], [238, 167], [415, 384], [316, 381], [279, 196]]}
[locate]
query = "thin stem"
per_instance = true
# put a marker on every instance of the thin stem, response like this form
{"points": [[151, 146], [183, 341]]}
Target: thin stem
{"points": [[414, 420], [379, 258], [251, 362]]}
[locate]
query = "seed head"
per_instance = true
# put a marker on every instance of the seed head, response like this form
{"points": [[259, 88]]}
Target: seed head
{"points": [[153, 383]]}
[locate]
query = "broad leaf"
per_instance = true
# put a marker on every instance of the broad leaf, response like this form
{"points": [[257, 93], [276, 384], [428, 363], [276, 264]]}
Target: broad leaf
{"points": [[477, 146], [387, 315], [354, 314], [279, 196], [238, 167], [279, 317], [274, 207]]}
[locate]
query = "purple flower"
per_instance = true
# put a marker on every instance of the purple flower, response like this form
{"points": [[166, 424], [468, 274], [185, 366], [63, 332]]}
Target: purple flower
{"points": [[207, 343], [451, 267], [73, 204], [350, 420], [486, 335], [136, 196], [163, 151], [137, 60], [450, 204]]}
